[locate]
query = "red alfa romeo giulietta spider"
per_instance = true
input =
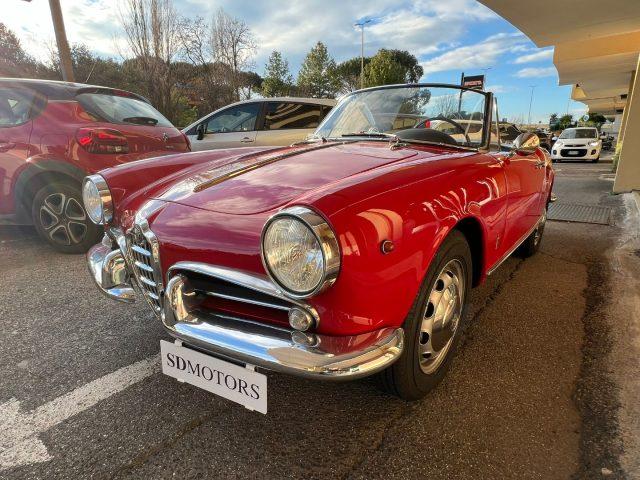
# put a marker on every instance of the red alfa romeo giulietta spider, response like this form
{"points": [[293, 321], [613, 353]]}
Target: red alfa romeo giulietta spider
{"points": [[350, 254]]}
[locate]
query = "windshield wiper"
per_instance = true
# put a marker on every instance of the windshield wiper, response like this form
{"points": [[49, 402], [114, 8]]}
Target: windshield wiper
{"points": [[141, 120], [369, 135]]}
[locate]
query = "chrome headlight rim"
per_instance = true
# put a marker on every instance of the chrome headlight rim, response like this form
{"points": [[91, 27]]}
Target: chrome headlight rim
{"points": [[105, 198], [325, 237]]}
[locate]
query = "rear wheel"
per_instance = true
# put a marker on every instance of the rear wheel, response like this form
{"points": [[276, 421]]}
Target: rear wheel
{"points": [[434, 324], [532, 244], [60, 219]]}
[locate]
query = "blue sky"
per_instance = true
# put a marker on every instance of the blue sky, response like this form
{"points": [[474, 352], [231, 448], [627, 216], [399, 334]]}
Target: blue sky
{"points": [[447, 37]]}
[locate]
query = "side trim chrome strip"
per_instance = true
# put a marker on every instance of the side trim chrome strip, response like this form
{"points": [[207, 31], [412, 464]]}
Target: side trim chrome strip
{"points": [[515, 247]]}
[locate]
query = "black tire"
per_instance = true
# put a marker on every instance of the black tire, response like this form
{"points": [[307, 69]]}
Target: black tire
{"points": [[409, 378], [60, 219], [596, 160], [532, 244]]}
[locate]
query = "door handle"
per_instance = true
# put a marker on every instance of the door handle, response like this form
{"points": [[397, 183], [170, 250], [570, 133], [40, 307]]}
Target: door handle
{"points": [[6, 146], [246, 140]]}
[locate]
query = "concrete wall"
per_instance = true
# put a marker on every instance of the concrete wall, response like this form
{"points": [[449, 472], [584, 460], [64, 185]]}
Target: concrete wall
{"points": [[628, 174]]}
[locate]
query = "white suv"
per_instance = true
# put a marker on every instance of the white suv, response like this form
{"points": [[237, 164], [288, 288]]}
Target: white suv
{"points": [[262, 122], [581, 143]]}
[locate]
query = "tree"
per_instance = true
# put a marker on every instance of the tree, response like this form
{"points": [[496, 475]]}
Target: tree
{"points": [[233, 45], [413, 70], [392, 66], [447, 105], [318, 76], [209, 84], [383, 69], [348, 73], [596, 119], [151, 30], [14, 62], [277, 78], [565, 121]]}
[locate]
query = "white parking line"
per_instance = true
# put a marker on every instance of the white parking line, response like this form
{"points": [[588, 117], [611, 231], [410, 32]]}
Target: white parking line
{"points": [[19, 442]]}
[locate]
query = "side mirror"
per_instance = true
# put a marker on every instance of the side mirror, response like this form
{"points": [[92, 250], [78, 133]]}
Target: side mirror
{"points": [[200, 131], [554, 138], [526, 143]]}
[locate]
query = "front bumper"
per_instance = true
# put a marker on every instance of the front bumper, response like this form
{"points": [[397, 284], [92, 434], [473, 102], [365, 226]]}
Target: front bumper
{"points": [[590, 153], [241, 340]]}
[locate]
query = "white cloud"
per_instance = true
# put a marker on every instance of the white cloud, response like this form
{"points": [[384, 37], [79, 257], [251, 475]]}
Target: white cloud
{"points": [[496, 88], [535, 57], [535, 72], [479, 55], [92, 22], [424, 27]]}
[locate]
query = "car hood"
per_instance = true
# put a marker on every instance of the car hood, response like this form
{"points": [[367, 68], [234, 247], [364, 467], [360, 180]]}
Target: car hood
{"points": [[576, 141], [263, 181]]}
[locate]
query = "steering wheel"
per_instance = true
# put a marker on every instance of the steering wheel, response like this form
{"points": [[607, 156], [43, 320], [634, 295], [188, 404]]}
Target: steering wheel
{"points": [[448, 120]]}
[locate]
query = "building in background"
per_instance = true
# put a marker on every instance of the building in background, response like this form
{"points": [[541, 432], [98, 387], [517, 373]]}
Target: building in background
{"points": [[596, 50]]}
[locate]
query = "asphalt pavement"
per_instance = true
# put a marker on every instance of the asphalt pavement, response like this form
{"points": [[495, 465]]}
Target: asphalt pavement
{"points": [[531, 394]]}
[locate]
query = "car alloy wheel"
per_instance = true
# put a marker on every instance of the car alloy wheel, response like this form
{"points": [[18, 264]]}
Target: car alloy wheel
{"points": [[441, 317], [63, 219]]}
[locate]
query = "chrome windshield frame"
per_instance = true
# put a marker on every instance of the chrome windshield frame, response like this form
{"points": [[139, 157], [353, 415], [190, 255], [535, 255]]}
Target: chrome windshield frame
{"points": [[486, 123]]}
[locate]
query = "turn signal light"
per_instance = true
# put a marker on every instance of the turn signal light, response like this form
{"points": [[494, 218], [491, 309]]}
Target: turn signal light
{"points": [[300, 320], [102, 140]]}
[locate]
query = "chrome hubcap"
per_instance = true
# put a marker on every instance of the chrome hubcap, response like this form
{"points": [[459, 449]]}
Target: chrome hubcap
{"points": [[63, 219], [441, 317], [537, 235]]}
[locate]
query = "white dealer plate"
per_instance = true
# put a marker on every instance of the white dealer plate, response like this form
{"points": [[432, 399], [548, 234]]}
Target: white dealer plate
{"points": [[241, 385]]}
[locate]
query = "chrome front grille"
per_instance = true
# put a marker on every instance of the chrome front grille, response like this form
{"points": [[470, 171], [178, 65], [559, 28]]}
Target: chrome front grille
{"points": [[221, 290], [144, 256]]}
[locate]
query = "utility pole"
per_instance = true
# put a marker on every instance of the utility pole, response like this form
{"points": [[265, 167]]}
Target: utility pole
{"points": [[484, 74], [361, 25], [61, 39], [532, 87]]}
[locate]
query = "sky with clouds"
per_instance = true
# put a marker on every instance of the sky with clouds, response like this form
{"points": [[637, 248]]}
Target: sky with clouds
{"points": [[447, 37]]}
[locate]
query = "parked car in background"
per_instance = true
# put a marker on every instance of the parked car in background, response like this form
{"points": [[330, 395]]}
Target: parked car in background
{"points": [[545, 139], [275, 121], [350, 254], [581, 143], [52, 134], [473, 129]]}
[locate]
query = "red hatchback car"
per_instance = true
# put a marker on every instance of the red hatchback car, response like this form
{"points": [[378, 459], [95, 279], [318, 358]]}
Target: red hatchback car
{"points": [[53, 134]]}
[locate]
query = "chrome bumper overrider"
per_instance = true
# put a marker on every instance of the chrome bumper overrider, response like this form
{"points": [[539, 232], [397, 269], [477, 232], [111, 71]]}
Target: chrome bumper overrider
{"points": [[109, 270], [241, 340]]}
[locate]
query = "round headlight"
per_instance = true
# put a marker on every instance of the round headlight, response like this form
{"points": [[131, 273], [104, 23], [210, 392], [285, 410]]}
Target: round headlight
{"points": [[300, 252], [96, 197]]}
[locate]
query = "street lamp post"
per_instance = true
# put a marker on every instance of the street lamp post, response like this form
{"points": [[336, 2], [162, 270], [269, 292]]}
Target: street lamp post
{"points": [[532, 87], [61, 39], [361, 25]]}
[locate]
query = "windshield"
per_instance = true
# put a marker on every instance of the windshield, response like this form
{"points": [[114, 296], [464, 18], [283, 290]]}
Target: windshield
{"points": [[579, 133], [457, 115], [120, 109]]}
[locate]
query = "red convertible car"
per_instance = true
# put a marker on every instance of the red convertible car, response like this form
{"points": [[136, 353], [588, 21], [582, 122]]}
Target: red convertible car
{"points": [[349, 254]]}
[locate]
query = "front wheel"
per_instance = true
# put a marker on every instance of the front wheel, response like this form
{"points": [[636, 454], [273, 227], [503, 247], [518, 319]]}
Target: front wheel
{"points": [[60, 219], [434, 324]]}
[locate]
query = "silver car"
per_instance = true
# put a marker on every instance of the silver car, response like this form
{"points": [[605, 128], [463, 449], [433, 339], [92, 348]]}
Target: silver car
{"points": [[274, 121]]}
